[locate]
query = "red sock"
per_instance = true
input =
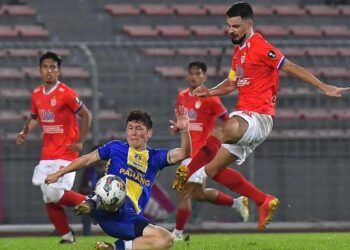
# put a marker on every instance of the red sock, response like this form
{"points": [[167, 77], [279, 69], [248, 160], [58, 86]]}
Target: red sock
{"points": [[224, 199], [233, 180], [182, 217], [71, 198], [205, 154], [58, 218]]}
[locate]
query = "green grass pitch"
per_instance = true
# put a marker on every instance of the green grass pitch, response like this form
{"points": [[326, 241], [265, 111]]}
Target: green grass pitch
{"points": [[261, 241]]}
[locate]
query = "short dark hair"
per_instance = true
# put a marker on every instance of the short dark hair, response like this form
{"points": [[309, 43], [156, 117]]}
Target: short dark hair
{"points": [[198, 64], [51, 55], [140, 116], [242, 9]]}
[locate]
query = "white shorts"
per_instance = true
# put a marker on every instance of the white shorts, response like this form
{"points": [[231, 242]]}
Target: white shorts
{"points": [[259, 127], [198, 176], [46, 167]]}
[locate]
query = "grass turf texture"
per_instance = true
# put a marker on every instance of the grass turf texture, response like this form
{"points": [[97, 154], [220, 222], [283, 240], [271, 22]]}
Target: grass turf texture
{"points": [[262, 241]]}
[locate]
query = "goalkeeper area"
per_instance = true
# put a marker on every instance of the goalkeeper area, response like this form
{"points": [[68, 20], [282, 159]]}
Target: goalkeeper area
{"points": [[250, 241]]}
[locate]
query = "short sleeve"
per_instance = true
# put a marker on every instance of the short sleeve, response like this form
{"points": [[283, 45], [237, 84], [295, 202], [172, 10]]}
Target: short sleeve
{"points": [[104, 152], [217, 106], [269, 55], [162, 158], [72, 100], [33, 109]]}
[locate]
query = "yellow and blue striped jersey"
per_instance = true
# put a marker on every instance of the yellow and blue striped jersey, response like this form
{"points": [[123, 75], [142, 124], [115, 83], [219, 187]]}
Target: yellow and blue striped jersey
{"points": [[138, 169]]}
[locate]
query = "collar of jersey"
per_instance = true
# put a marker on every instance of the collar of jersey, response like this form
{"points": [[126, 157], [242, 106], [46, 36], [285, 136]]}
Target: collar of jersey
{"points": [[245, 43], [51, 90]]}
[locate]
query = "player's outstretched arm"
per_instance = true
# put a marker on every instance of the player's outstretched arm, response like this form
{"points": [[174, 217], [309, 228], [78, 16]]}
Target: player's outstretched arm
{"points": [[82, 161], [309, 78], [178, 154], [223, 88]]}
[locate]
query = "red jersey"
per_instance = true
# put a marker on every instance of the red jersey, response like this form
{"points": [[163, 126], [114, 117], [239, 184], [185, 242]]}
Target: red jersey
{"points": [[55, 111], [202, 113], [255, 65]]}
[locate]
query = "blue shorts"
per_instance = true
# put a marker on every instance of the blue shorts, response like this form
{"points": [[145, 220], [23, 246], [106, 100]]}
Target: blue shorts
{"points": [[123, 224]]}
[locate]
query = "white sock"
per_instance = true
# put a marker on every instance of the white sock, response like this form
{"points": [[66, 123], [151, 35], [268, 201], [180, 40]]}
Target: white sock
{"points": [[178, 232], [128, 244], [68, 236], [234, 205]]}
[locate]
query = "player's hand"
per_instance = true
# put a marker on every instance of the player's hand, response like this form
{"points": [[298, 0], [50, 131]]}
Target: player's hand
{"points": [[173, 130], [21, 137], [182, 119], [52, 178], [77, 146], [334, 91], [201, 91], [83, 208]]}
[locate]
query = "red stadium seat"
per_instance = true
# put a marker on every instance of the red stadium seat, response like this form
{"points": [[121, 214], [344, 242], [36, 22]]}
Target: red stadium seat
{"points": [[315, 114], [31, 31], [286, 114], [31, 72], [140, 30], [60, 52], [343, 51], [171, 71], [156, 9], [189, 10], [262, 10], [344, 9], [216, 51], [305, 91], [341, 113], [11, 73], [211, 71], [13, 93], [321, 51], [159, 51], [18, 10], [286, 91], [290, 51], [273, 30], [109, 115], [207, 30], [173, 30], [335, 72], [322, 10], [303, 30], [122, 9], [8, 31], [193, 51], [288, 10], [75, 72], [9, 116], [23, 52], [85, 92], [335, 30], [216, 9]]}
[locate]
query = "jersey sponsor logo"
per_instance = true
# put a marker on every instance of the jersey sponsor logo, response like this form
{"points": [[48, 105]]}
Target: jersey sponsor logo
{"points": [[53, 129], [243, 82], [77, 99], [197, 104], [53, 101], [243, 57], [192, 114], [136, 176], [195, 126], [138, 159], [46, 115], [272, 55]]}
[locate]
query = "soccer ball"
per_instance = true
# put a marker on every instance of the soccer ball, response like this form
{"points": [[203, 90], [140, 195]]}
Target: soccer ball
{"points": [[110, 191]]}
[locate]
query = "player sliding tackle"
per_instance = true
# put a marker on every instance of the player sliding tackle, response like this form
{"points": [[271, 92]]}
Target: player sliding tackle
{"points": [[254, 74]]}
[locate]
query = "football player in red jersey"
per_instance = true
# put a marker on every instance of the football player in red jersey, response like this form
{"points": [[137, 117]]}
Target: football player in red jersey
{"points": [[203, 113], [55, 107], [254, 74]]}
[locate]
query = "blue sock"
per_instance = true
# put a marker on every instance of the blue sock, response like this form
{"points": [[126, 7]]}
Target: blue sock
{"points": [[119, 245]]}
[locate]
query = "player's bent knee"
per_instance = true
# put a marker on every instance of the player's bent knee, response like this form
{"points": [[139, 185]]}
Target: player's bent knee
{"points": [[165, 241], [51, 194], [198, 195]]}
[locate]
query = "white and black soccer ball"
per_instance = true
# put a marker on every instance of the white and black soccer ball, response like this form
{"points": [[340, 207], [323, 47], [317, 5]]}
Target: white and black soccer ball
{"points": [[110, 191]]}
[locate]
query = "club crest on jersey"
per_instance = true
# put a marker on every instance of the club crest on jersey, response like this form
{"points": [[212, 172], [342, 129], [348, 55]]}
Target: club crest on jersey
{"points": [[243, 57], [272, 55], [197, 104], [192, 114], [239, 71], [53, 101]]}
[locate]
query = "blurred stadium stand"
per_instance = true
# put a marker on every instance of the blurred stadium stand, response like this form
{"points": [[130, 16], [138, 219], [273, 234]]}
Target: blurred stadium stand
{"points": [[137, 53]]}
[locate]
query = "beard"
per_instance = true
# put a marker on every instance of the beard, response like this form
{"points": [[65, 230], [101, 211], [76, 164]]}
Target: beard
{"points": [[239, 41]]}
